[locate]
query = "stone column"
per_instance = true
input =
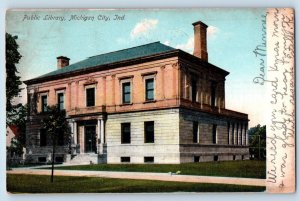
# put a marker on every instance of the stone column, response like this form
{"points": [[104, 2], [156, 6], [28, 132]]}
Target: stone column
{"points": [[102, 132], [98, 131], [72, 132], [229, 133], [98, 136], [246, 133], [242, 134], [235, 133], [162, 70], [75, 132]]}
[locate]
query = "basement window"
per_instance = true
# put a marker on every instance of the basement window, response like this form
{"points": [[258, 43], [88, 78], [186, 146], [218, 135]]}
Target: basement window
{"points": [[42, 159], [148, 159], [216, 158], [125, 159], [196, 159], [59, 159]]}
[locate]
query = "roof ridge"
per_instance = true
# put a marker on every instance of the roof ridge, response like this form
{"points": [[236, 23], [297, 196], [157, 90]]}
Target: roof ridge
{"points": [[126, 49]]}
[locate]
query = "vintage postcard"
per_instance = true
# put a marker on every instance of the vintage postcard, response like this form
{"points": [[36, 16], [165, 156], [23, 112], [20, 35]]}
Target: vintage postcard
{"points": [[150, 100]]}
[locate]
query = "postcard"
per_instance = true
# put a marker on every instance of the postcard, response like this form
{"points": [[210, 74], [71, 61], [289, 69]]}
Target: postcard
{"points": [[150, 100]]}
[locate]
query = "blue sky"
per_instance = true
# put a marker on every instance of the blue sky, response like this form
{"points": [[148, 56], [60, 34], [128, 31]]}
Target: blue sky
{"points": [[233, 35]]}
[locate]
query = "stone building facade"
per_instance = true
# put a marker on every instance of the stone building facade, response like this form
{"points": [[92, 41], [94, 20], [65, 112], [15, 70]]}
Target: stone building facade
{"points": [[146, 104]]}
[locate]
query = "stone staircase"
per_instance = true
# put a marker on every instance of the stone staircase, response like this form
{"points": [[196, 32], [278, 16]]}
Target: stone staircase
{"points": [[87, 158]]}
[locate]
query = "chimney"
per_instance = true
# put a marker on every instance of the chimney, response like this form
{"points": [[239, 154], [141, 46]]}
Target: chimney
{"points": [[62, 62], [200, 41]]}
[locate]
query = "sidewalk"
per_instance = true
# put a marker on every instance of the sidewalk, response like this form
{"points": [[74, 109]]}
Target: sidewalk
{"points": [[144, 176]]}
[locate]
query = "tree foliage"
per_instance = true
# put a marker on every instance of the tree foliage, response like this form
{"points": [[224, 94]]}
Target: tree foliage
{"points": [[13, 81], [257, 141], [57, 127]]}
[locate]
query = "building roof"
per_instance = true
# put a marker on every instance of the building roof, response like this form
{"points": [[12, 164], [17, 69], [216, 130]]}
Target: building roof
{"points": [[103, 60], [14, 129], [112, 57]]}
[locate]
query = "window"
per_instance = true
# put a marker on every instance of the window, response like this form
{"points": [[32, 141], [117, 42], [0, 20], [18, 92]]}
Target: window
{"points": [[126, 93], [90, 97], [195, 131], [149, 131], [61, 139], [125, 133], [43, 137], [148, 159], [214, 134], [213, 95], [59, 159], [125, 159], [194, 90], [196, 159], [216, 158], [149, 89], [228, 132], [60, 101], [42, 159], [44, 103]]}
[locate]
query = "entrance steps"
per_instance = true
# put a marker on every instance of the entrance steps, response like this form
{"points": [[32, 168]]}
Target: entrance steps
{"points": [[87, 158]]}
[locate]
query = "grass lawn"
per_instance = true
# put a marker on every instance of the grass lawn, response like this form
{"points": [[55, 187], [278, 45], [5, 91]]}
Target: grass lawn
{"points": [[246, 168], [62, 184]]}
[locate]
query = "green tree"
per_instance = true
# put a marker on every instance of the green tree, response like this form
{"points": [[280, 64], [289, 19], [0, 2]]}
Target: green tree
{"points": [[19, 119], [13, 81], [57, 128], [257, 142]]}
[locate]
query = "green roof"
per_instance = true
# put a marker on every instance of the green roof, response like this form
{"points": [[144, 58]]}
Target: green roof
{"points": [[112, 57]]}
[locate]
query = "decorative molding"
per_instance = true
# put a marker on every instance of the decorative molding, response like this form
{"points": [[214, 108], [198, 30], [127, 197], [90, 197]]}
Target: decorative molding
{"points": [[60, 88], [90, 80], [126, 77], [163, 67], [176, 65], [149, 73]]}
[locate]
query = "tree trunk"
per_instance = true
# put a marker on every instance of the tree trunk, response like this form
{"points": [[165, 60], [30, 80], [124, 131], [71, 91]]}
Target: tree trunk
{"points": [[52, 168]]}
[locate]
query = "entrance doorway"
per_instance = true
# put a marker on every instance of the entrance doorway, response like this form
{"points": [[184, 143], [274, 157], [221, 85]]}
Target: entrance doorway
{"points": [[90, 139]]}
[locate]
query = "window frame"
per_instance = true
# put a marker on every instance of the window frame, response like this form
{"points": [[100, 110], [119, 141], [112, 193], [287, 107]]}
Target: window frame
{"points": [[124, 80], [44, 109], [195, 132], [126, 93], [147, 76], [213, 94], [43, 137], [146, 137], [122, 159], [89, 87], [148, 90], [148, 159], [123, 141], [58, 101], [194, 90], [214, 134]]}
